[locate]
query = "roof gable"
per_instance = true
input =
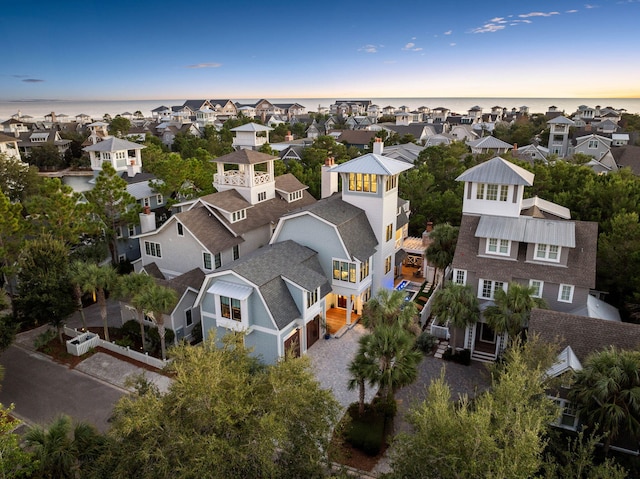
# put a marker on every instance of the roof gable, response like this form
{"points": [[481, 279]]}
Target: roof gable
{"points": [[497, 170], [373, 164]]}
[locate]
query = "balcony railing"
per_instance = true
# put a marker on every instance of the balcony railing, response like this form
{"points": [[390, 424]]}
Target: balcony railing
{"points": [[233, 178]]}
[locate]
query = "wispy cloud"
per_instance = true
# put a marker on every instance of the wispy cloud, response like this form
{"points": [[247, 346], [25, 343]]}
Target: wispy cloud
{"points": [[205, 65], [589, 6], [32, 80], [412, 47], [452, 44], [488, 28], [448, 32], [571, 11], [538, 14], [369, 49]]}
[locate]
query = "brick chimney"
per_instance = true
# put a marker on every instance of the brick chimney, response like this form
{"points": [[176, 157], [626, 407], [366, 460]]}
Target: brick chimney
{"points": [[147, 220], [288, 136], [425, 235], [378, 146]]}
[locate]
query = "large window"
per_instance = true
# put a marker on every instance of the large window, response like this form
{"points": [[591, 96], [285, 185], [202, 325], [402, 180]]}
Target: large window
{"points": [[568, 418], [392, 182], [344, 271], [547, 252], [498, 246], [363, 182], [487, 288], [565, 293], [230, 308], [389, 232], [152, 249], [492, 192]]}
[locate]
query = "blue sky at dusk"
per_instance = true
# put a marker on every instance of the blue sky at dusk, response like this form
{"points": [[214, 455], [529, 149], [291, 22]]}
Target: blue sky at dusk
{"points": [[115, 49]]}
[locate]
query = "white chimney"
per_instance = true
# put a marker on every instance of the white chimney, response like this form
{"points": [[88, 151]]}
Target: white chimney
{"points": [[378, 146], [131, 169], [147, 220], [329, 179]]}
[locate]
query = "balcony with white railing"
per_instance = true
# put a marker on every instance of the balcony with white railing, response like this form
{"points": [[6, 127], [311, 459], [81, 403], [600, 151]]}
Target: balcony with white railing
{"points": [[261, 178], [231, 178]]}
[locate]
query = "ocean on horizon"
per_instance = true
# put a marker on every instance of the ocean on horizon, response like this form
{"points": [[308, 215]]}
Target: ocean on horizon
{"points": [[97, 108]]}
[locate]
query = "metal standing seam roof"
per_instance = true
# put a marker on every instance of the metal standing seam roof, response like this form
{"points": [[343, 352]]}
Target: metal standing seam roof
{"points": [[252, 127], [497, 170], [114, 144], [547, 206], [489, 142], [140, 190], [528, 230], [566, 361], [373, 164], [561, 120]]}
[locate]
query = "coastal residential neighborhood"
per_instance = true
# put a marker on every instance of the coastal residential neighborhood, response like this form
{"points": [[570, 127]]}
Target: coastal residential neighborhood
{"points": [[329, 262]]}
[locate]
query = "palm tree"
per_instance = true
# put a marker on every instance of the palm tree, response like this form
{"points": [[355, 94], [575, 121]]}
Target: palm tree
{"points": [[442, 248], [457, 304], [391, 348], [131, 288], [388, 307], [62, 449], [362, 369], [159, 300], [77, 274], [96, 280], [607, 393], [512, 309]]}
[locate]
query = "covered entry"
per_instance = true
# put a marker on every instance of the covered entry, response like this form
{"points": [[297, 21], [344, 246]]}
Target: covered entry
{"points": [[313, 331], [292, 345]]}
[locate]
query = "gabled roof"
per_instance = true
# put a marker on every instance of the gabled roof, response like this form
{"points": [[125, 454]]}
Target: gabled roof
{"points": [[489, 142], [7, 139], [244, 157], [229, 201], [584, 335], [191, 279], [289, 183], [267, 268], [113, 144], [351, 223], [372, 164], [207, 229], [545, 206], [356, 137], [566, 361], [497, 170]]}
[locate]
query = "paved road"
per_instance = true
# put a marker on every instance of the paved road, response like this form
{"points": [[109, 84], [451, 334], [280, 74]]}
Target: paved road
{"points": [[41, 390]]}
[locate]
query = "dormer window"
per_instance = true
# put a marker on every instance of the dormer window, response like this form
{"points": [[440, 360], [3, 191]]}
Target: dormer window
{"points": [[238, 215], [262, 196], [296, 195], [547, 252], [498, 246]]}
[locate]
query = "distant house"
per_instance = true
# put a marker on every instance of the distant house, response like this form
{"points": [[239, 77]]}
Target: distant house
{"points": [[358, 138], [33, 139], [505, 238], [559, 136], [9, 146], [488, 144], [251, 136], [124, 155]]}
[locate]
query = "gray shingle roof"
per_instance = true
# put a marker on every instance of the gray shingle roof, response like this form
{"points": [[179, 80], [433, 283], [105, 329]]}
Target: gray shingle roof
{"points": [[289, 183], [191, 279], [244, 157], [266, 268], [229, 200], [497, 170], [352, 225], [207, 229], [584, 335]]}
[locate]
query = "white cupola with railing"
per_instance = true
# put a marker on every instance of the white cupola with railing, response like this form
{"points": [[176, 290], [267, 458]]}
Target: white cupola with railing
{"points": [[249, 172]]}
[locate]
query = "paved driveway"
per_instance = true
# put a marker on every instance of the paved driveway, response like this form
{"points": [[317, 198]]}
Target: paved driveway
{"points": [[330, 359], [42, 390]]}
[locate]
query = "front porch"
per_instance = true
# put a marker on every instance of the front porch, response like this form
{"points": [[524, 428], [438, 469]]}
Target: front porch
{"points": [[337, 319]]}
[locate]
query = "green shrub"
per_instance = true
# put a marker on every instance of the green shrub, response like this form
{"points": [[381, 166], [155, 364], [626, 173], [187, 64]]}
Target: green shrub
{"points": [[384, 406], [154, 340], [131, 329], [426, 342], [460, 357], [42, 340], [196, 333], [125, 342], [366, 433]]}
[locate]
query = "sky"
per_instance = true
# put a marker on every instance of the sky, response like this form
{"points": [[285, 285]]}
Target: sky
{"points": [[139, 50]]}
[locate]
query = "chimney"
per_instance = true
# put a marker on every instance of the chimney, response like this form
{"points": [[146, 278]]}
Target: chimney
{"points": [[53, 117], [378, 146], [329, 179], [515, 147], [288, 136], [429, 226], [131, 169], [147, 220]]}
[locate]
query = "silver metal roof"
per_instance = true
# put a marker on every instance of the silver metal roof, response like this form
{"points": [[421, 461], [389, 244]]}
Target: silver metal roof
{"points": [[547, 206], [528, 230], [140, 190], [114, 144], [252, 127], [373, 164], [489, 142], [497, 170], [566, 361], [232, 290]]}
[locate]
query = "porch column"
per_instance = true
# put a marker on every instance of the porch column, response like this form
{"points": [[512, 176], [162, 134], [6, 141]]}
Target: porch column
{"points": [[349, 308]]}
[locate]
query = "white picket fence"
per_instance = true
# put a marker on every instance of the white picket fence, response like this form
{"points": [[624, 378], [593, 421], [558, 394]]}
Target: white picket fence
{"points": [[123, 350]]}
